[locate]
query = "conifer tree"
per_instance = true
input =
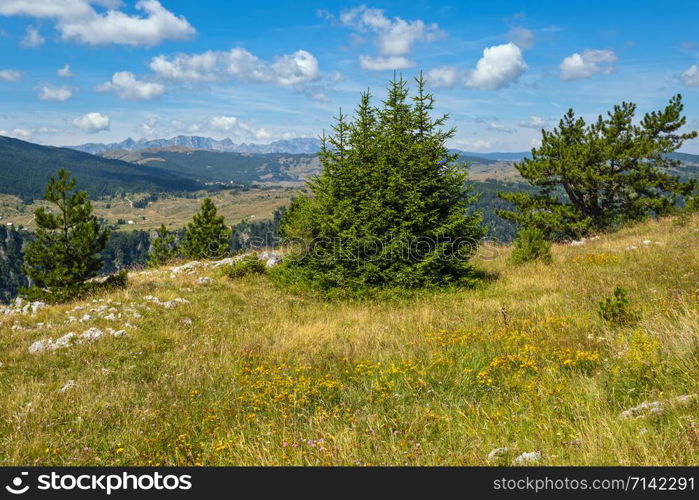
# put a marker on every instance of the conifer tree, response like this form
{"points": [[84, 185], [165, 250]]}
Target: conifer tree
{"points": [[599, 176], [390, 206], [66, 250], [163, 247], [206, 237]]}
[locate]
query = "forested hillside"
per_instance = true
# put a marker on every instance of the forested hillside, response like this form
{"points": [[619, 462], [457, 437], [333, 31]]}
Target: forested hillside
{"points": [[214, 166], [26, 167]]}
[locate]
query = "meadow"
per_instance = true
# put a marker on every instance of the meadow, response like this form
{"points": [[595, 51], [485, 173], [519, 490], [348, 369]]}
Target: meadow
{"points": [[243, 373], [173, 211]]}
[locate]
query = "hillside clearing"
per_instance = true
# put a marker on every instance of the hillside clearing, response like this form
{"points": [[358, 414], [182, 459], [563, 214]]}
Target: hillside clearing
{"points": [[240, 372]]}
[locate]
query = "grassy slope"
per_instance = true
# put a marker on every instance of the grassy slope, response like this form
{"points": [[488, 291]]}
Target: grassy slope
{"points": [[263, 377], [174, 212]]}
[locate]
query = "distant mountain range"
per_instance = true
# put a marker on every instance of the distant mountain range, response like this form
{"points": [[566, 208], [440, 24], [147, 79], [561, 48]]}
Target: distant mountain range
{"points": [[189, 163], [291, 146], [306, 145]]}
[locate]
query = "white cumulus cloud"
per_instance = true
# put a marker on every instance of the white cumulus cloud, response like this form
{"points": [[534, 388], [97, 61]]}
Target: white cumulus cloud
{"points": [[499, 127], [293, 69], [92, 123], [500, 66], [587, 64], [298, 68], [32, 38], [522, 37], [18, 133], [65, 72], [126, 86], [80, 21], [443, 77], [475, 145], [51, 93], [204, 67], [383, 63], [535, 122], [690, 76], [394, 37], [9, 75], [230, 124]]}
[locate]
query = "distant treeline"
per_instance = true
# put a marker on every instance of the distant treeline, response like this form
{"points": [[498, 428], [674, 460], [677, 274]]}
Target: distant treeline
{"points": [[11, 259], [124, 250], [129, 249]]}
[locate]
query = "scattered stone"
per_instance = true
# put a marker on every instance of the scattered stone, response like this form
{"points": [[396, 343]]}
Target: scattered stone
{"points": [[577, 243], [647, 407], [64, 341], [69, 385], [170, 304], [223, 262], [70, 339], [186, 321], [189, 267], [37, 306], [21, 307], [41, 346], [204, 281], [271, 258], [630, 248], [530, 457], [498, 453], [90, 335], [85, 318], [658, 407], [685, 400]]}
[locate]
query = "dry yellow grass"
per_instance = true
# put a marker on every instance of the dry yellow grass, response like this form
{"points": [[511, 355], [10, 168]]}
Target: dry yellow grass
{"points": [[250, 374], [174, 212]]}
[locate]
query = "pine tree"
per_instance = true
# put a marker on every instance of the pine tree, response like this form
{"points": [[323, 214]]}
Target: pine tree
{"points": [[599, 176], [66, 250], [390, 207], [163, 248], [206, 237], [530, 245], [11, 263]]}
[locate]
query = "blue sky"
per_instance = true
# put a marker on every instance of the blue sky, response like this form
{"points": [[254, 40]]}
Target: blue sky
{"points": [[75, 71]]}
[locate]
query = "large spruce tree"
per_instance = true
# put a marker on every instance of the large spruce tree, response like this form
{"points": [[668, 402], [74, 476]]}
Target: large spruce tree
{"points": [[207, 236], [390, 207], [599, 176], [66, 250]]}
